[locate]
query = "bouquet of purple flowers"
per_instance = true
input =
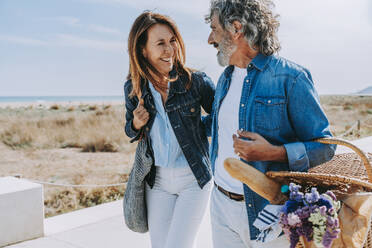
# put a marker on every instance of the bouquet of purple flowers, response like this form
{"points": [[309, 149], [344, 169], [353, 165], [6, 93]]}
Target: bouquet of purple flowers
{"points": [[310, 215]]}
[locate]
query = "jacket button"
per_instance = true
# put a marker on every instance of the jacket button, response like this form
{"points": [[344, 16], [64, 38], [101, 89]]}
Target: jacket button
{"points": [[250, 205], [192, 110], [147, 129]]}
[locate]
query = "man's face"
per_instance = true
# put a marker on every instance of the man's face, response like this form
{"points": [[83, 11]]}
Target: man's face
{"points": [[222, 41]]}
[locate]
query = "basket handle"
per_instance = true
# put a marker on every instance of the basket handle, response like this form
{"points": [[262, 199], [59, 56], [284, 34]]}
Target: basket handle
{"points": [[346, 143]]}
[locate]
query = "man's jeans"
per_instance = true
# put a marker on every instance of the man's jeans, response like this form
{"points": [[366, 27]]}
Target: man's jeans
{"points": [[175, 206], [230, 227]]}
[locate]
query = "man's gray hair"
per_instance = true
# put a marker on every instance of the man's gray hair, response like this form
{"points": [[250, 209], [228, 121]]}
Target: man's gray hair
{"points": [[259, 24]]}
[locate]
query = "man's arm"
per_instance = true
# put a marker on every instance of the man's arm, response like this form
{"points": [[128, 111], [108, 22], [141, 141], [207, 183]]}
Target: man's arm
{"points": [[253, 147], [309, 122]]}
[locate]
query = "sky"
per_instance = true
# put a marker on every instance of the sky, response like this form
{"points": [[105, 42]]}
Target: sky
{"points": [[78, 47]]}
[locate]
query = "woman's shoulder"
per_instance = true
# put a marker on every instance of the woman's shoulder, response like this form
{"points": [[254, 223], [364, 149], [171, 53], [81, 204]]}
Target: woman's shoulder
{"points": [[198, 76], [128, 89], [128, 86], [201, 78], [128, 83]]}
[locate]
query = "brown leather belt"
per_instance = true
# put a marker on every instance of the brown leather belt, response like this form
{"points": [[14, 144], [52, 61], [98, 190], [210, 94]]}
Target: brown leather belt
{"points": [[232, 196]]}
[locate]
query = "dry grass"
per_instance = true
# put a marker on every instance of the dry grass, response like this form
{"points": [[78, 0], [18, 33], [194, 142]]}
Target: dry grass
{"points": [[70, 109], [65, 200], [92, 108], [99, 146], [54, 107], [86, 145], [344, 111], [93, 131]]}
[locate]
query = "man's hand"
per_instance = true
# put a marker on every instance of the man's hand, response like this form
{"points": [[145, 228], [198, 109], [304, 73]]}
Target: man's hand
{"points": [[256, 148], [141, 116]]}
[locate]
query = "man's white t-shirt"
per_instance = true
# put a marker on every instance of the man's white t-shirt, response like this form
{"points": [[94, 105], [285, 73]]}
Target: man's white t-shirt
{"points": [[228, 124]]}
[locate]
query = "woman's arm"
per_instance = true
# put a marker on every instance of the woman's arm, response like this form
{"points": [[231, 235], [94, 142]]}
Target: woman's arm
{"points": [[130, 106], [207, 90]]}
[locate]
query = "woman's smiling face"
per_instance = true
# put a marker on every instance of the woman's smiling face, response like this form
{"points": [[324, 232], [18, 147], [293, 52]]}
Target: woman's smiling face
{"points": [[161, 47]]}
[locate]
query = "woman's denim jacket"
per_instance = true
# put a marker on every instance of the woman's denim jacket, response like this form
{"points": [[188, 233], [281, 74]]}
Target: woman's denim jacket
{"points": [[184, 112]]}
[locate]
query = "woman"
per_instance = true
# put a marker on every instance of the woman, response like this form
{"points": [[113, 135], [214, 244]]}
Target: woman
{"points": [[168, 114]]}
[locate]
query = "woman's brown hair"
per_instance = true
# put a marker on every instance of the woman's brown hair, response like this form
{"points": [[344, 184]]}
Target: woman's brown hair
{"points": [[139, 67]]}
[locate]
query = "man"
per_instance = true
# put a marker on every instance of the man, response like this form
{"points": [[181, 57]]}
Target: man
{"points": [[266, 112]]}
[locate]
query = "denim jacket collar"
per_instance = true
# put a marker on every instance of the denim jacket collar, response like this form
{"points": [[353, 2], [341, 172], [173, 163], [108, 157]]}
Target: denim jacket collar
{"points": [[177, 86], [227, 72], [145, 88], [259, 62]]}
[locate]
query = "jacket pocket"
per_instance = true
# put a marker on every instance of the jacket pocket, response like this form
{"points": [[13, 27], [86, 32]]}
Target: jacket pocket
{"points": [[191, 110], [269, 112]]}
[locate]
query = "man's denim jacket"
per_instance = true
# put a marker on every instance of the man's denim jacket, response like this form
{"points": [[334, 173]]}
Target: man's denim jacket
{"points": [[279, 102], [183, 107]]}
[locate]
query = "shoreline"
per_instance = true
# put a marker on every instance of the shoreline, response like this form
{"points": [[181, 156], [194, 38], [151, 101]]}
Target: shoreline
{"points": [[327, 99], [47, 104]]}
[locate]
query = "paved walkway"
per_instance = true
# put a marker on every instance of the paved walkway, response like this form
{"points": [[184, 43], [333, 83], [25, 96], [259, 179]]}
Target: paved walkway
{"points": [[103, 226], [365, 144], [99, 227]]}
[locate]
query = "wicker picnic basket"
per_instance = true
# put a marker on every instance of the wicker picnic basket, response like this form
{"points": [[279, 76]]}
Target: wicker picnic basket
{"points": [[345, 174]]}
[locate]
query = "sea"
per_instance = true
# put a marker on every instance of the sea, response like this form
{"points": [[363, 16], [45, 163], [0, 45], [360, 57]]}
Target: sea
{"points": [[54, 99]]}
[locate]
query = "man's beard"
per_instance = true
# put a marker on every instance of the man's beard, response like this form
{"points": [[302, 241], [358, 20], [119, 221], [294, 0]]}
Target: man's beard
{"points": [[225, 51]]}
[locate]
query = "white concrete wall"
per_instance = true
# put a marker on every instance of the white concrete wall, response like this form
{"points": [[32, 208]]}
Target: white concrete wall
{"points": [[21, 210]]}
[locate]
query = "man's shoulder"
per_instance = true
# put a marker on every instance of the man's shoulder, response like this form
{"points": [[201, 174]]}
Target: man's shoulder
{"points": [[282, 66]]}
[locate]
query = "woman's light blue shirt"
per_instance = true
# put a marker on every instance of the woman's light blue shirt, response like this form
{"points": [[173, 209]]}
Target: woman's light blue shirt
{"points": [[167, 151]]}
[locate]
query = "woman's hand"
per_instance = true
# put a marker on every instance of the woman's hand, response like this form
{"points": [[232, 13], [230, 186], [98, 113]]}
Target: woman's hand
{"points": [[141, 116]]}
